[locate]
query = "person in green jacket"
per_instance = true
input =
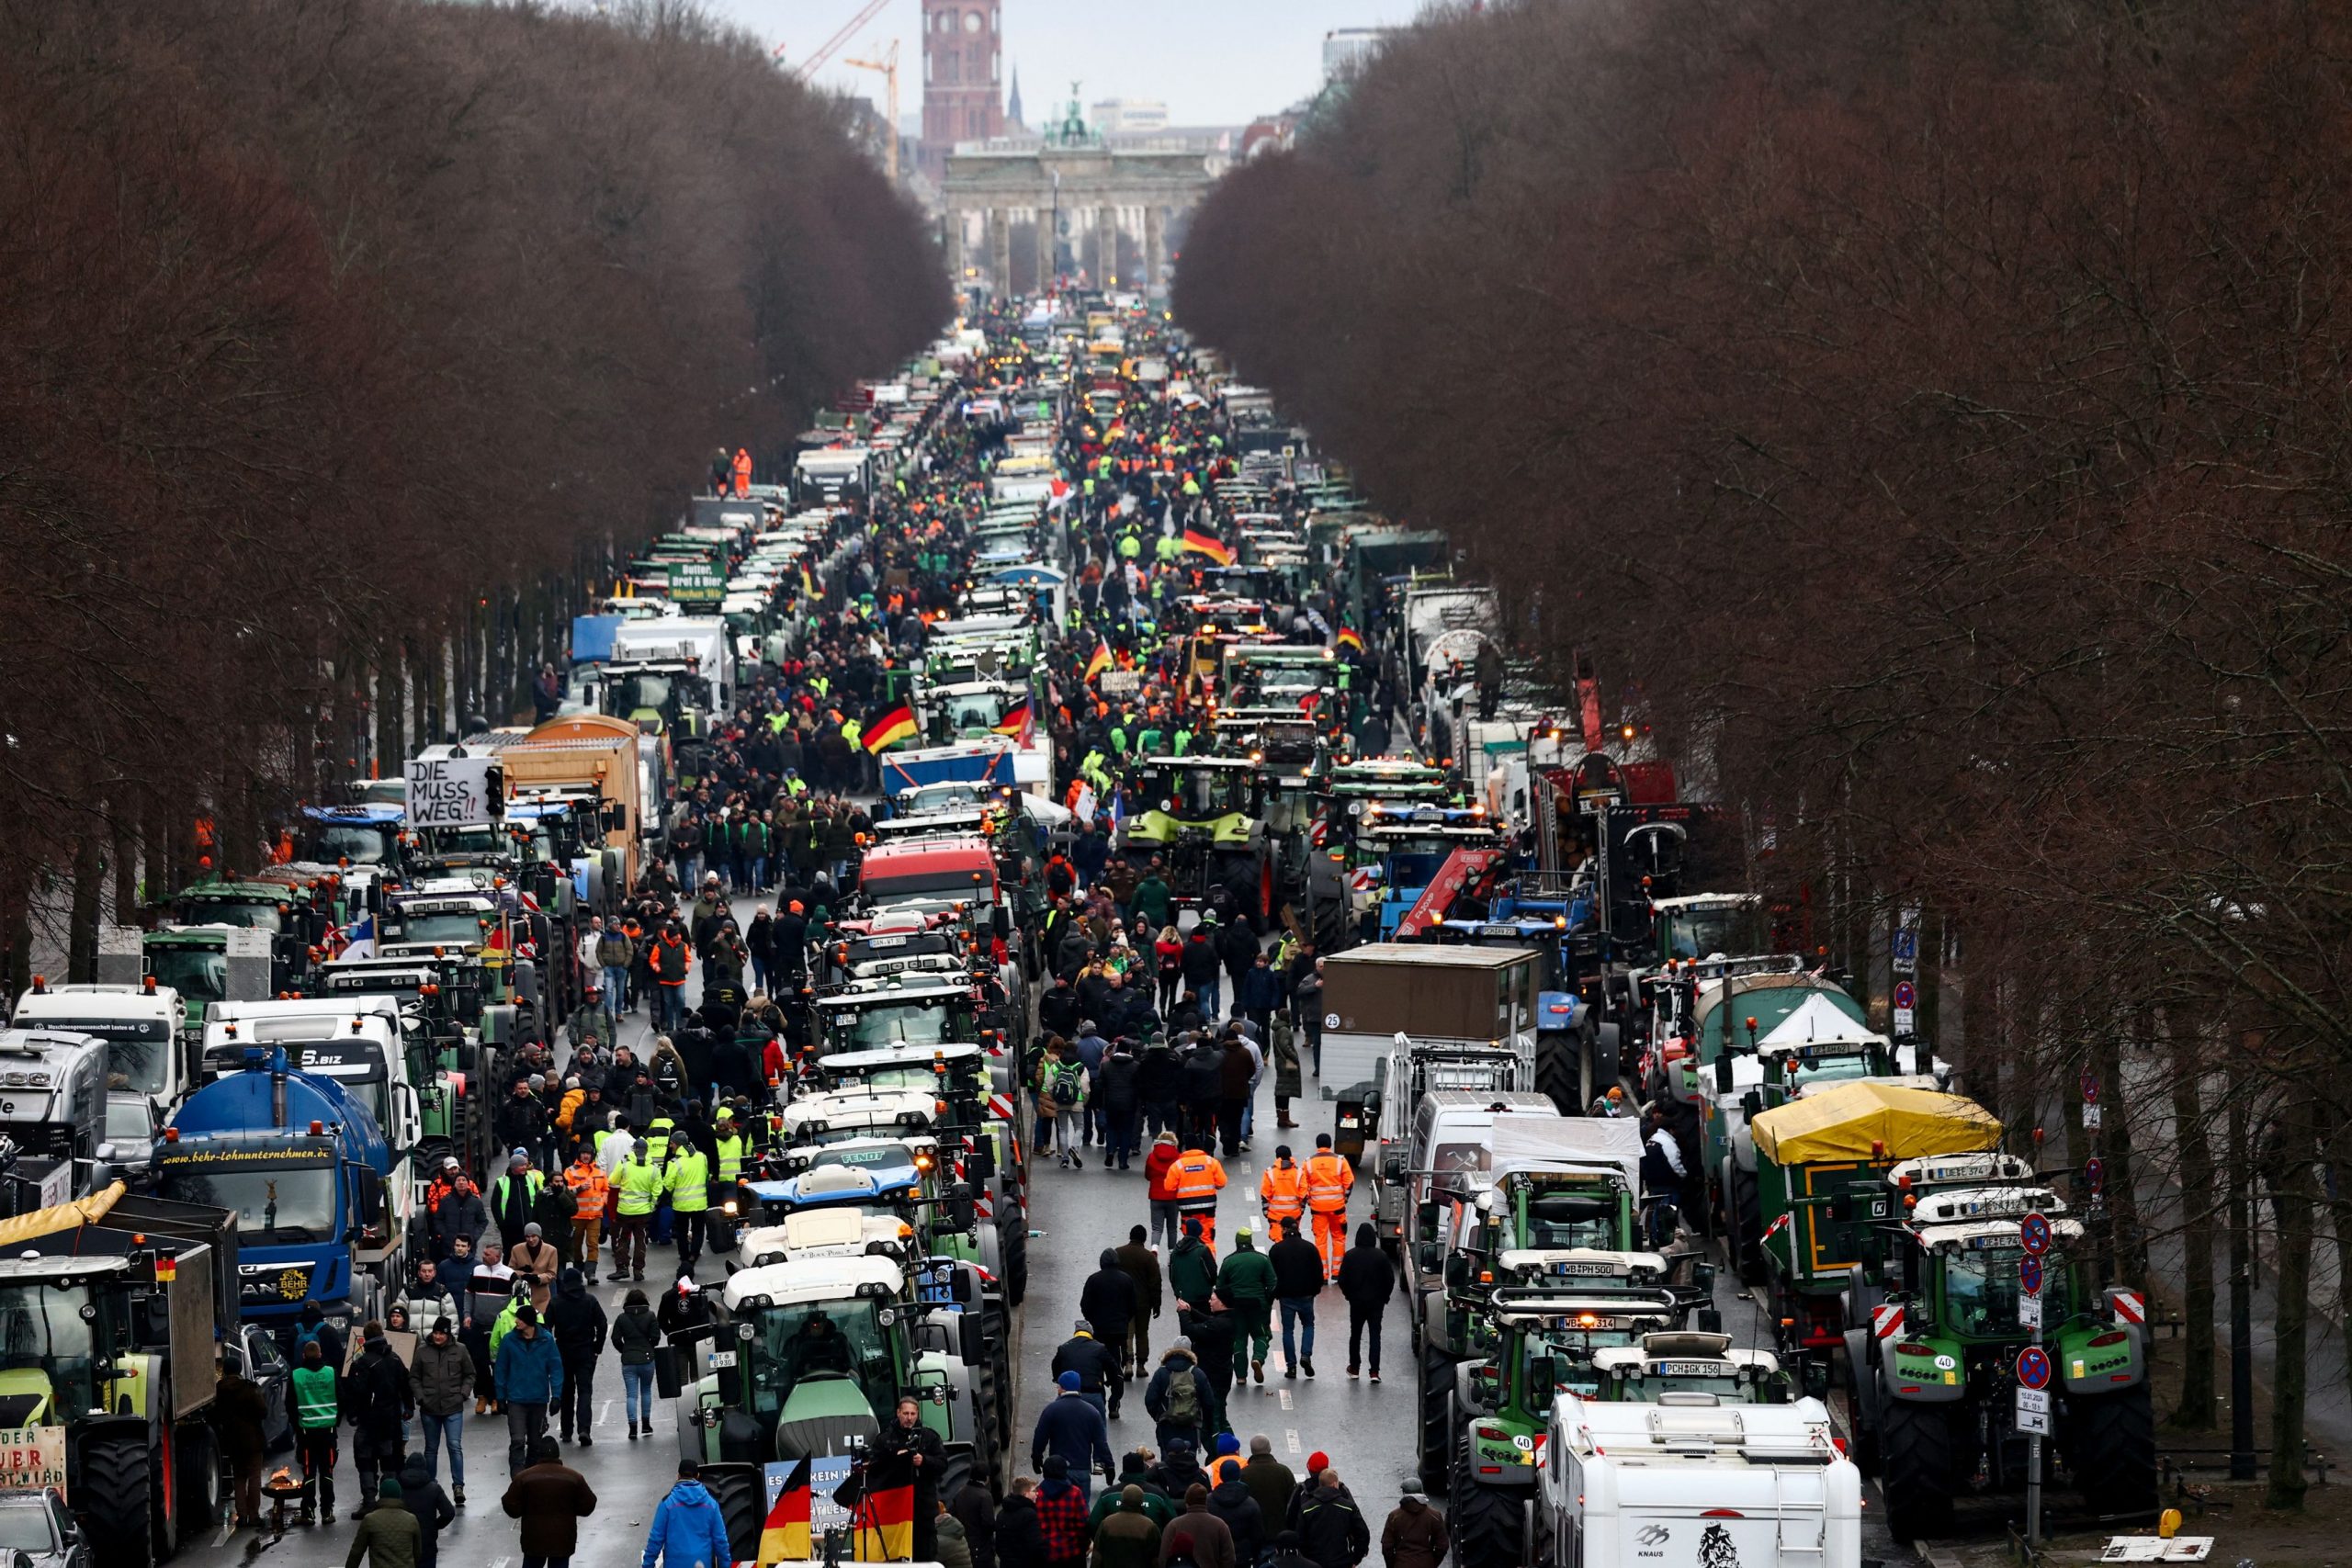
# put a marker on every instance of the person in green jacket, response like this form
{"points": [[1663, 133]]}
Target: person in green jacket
{"points": [[388, 1537], [316, 1390], [688, 1184], [1247, 1283], [1153, 900]]}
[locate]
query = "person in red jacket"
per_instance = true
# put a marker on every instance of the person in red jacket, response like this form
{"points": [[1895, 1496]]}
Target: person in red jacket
{"points": [[1164, 1154]]}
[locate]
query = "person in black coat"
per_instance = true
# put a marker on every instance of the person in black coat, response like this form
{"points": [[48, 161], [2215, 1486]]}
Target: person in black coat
{"points": [[1107, 1302], [1017, 1538], [1101, 1376], [1231, 1501], [576, 1318], [377, 1399], [909, 1452], [1057, 1010], [1367, 1281], [1159, 1088], [976, 1511]]}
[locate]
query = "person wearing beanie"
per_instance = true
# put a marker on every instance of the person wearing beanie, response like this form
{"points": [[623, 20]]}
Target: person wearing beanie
{"points": [[535, 1257], [1178, 1466], [1134, 1469], [1191, 1266], [1101, 1378], [1231, 1501], [529, 1375], [1316, 1463], [1228, 1449], [422, 1495], [1287, 1554], [1141, 1264], [1128, 1537], [549, 1499], [1415, 1535], [1073, 1431], [1061, 1514], [389, 1535], [378, 1400], [1198, 1534], [1180, 1399]]}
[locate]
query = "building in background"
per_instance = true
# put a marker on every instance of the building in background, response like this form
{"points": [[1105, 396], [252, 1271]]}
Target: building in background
{"points": [[963, 65], [1013, 105], [1345, 50], [1114, 117]]}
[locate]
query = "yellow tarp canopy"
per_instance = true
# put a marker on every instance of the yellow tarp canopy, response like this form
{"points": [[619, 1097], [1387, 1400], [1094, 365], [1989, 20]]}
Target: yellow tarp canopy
{"points": [[1853, 1120], [65, 1217]]}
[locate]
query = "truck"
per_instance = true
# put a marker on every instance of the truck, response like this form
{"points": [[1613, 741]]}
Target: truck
{"points": [[578, 754], [316, 1189], [1696, 1485], [1461, 997], [199, 964], [108, 1309], [1935, 1335], [140, 1021], [53, 1105]]}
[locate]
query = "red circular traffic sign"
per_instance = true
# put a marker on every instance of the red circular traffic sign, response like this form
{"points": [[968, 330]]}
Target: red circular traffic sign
{"points": [[1905, 994], [2095, 1172], [2029, 1275], [2090, 1088], [2033, 1367], [2033, 1233]]}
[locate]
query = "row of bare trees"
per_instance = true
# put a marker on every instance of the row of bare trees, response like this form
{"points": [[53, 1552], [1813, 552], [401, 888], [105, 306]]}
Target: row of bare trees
{"points": [[1934, 415], [343, 346]]}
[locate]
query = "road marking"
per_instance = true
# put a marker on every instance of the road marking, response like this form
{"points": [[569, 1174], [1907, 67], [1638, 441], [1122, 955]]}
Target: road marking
{"points": [[228, 1528], [1290, 1435], [1282, 1395], [604, 1413]]}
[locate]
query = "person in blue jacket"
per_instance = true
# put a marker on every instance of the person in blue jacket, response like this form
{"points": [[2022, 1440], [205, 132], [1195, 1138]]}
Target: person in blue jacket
{"points": [[687, 1531], [529, 1375], [1071, 1427]]}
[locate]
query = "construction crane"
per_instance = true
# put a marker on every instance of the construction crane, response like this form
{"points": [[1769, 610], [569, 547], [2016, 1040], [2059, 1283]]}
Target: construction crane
{"points": [[832, 45], [887, 67]]}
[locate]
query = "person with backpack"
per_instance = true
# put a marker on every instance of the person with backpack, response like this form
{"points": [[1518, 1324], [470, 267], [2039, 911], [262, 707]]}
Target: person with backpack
{"points": [[1177, 1399], [1061, 1102]]}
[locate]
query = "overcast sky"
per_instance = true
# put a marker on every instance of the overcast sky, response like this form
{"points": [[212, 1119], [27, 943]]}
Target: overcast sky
{"points": [[1212, 62]]}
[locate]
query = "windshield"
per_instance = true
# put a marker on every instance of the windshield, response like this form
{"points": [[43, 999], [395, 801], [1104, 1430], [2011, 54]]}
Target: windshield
{"points": [[934, 1020], [129, 1119], [461, 929], [282, 1202], [1981, 1292], [197, 974], [1558, 1222], [1708, 928], [474, 839], [231, 912], [970, 711], [341, 841], [24, 1527], [943, 796], [1195, 793], [819, 1339], [1409, 866], [866, 1156], [41, 1325]]}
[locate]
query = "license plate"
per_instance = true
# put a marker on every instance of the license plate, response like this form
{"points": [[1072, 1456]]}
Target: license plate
{"points": [[722, 1359]]}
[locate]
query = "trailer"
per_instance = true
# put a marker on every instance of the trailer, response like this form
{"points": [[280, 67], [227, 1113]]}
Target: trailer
{"points": [[1448, 995]]}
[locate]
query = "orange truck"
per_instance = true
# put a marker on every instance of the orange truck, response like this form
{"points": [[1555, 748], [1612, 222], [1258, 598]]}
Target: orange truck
{"points": [[576, 756]]}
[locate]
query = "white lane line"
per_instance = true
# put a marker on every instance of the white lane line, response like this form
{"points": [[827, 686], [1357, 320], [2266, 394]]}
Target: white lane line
{"points": [[603, 1412], [1282, 1395], [1290, 1435], [228, 1528]]}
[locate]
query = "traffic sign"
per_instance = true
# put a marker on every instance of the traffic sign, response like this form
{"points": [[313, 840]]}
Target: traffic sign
{"points": [[2033, 1419], [2090, 1088], [2033, 1233], [2095, 1172], [2028, 1312], [2033, 1367], [2029, 1275], [1907, 995]]}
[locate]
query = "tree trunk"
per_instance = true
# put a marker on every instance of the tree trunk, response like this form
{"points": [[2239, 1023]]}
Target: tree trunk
{"points": [[2115, 1145], [82, 936], [2288, 1171], [2195, 1411]]}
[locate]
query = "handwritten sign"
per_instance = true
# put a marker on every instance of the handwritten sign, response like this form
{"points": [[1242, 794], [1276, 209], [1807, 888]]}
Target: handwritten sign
{"points": [[455, 792], [32, 1457]]}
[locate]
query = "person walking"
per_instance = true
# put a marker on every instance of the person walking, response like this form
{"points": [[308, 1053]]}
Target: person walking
{"points": [[1367, 1281], [1281, 1049], [442, 1373], [589, 1187], [1281, 1191], [1142, 1267], [974, 1508], [688, 1183], [576, 1320], [1329, 1180], [240, 1413], [637, 1334], [1061, 1103], [422, 1495], [1198, 1535], [1178, 1399], [1159, 1189], [1331, 1531], [1128, 1537], [1270, 1480], [1107, 1302], [1019, 1539], [1298, 1280], [389, 1535], [1101, 1378], [1061, 1514], [1071, 1429], [529, 1379], [549, 1499], [637, 1189], [1414, 1535], [1231, 1501], [687, 1532], [1197, 1178], [1247, 1283], [317, 1392], [1192, 1268], [537, 1260], [378, 1400]]}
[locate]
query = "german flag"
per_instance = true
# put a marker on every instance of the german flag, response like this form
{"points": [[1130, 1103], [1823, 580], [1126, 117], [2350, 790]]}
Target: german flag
{"points": [[1209, 546], [883, 1527], [1100, 663], [896, 725], [1014, 723], [784, 1534], [1347, 638]]}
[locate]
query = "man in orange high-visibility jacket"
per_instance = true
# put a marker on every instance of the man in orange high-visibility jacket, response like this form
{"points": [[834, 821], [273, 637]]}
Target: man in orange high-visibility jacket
{"points": [[1196, 1178], [742, 471], [1329, 1179], [1283, 1189]]}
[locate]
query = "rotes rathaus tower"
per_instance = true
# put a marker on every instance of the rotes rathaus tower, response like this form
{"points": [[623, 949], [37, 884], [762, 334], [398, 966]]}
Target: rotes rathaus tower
{"points": [[963, 72]]}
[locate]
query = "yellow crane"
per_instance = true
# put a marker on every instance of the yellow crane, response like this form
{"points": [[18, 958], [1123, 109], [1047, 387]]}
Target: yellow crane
{"points": [[888, 68]]}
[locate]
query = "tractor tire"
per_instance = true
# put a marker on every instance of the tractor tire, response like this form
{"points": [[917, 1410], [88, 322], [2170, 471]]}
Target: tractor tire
{"points": [[1489, 1525], [1861, 1401], [741, 1492], [1015, 1242], [200, 1481], [1734, 1252], [1744, 1209], [115, 1500], [1561, 1067], [2112, 1451], [1437, 1417], [1917, 1468]]}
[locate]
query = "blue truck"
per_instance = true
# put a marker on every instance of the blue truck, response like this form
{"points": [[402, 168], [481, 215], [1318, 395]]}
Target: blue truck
{"points": [[311, 1180]]}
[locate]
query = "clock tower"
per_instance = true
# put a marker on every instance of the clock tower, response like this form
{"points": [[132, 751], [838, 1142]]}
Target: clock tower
{"points": [[963, 61]]}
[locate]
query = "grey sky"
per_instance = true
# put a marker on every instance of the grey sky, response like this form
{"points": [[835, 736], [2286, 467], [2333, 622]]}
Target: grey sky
{"points": [[1212, 61]]}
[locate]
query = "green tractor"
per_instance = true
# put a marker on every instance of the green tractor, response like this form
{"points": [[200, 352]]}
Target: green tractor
{"points": [[806, 1360], [1934, 1345], [1201, 816]]}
